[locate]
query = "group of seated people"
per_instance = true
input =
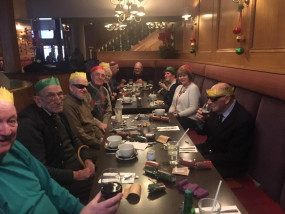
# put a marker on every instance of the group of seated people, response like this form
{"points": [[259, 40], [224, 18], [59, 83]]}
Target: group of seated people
{"points": [[55, 127]]}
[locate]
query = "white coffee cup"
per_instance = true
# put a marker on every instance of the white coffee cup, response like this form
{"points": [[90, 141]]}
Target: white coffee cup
{"points": [[159, 112], [126, 150], [114, 141]]}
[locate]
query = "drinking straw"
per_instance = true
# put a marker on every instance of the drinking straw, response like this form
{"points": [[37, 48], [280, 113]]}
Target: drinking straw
{"points": [[182, 137], [217, 193]]}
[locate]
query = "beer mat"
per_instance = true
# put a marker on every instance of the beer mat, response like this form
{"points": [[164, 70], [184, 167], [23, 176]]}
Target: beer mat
{"points": [[225, 209], [181, 171], [133, 193], [167, 128], [162, 139]]}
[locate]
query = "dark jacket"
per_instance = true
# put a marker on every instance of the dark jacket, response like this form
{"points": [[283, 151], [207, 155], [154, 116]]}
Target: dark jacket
{"points": [[168, 95], [228, 144], [38, 132]]}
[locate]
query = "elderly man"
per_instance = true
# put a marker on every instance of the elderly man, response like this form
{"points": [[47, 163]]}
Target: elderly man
{"points": [[98, 98], [26, 186], [115, 85], [229, 130], [78, 112], [138, 73], [170, 78], [107, 82], [46, 133]]}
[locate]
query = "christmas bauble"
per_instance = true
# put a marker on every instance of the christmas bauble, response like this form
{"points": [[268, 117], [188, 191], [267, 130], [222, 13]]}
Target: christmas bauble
{"points": [[192, 44], [239, 51], [192, 51], [192, 39], [236, 30]]}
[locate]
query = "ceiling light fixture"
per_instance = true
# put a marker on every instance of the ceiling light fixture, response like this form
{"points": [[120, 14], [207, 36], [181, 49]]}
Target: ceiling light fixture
{"points": [[156, 25]]}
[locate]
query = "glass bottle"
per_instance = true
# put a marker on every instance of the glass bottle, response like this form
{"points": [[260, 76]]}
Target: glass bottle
{"points": [[188, 206]]}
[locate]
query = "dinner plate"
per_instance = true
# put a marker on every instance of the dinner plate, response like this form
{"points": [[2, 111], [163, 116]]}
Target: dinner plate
{"points": [[122, 158]]}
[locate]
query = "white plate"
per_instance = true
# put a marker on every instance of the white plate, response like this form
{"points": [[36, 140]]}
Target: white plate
{"points": [[130, 158]]}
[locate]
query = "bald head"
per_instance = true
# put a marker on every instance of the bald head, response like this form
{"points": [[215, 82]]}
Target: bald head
{"points": [[221, 85]]}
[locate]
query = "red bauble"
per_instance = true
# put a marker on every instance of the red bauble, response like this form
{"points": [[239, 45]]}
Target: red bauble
{"points": [[237, 30], [192, 39]]}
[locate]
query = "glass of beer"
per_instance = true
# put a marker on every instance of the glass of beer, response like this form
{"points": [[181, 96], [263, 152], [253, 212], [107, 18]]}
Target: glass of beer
{"points": [[206, 109], [110, 183]]}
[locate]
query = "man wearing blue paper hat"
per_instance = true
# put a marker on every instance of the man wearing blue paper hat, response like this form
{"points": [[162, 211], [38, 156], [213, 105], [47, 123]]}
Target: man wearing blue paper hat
{"points": [[45, 131]]}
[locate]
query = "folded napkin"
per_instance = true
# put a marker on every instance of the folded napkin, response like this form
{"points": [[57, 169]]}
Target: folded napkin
{"points": [[225, 209], [187, 149], [138, 145], [127, 177], [168, 128]]}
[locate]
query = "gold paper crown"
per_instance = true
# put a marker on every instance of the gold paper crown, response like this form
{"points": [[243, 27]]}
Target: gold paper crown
{"points": [[105, 65], [77, 74], [6, 95], [220, 92]]}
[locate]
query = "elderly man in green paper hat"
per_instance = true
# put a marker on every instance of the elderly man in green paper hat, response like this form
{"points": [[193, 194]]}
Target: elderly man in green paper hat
{"points": [[169, 85], [26, 186], [229, 130], [46, 133]]}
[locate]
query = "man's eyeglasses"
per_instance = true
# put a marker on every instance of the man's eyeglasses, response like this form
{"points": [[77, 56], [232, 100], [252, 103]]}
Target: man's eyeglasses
{"points": [[51, 97], [214, 99], [80, 86], [100, 75]]}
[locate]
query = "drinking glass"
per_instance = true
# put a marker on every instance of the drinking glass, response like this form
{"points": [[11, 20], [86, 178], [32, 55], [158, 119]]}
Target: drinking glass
{"points": [[206, 206], [173, 152], [110, 183], [206, 109], [131, 81]]}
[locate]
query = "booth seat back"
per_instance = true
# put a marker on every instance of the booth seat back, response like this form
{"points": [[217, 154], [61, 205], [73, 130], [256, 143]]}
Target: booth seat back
{"points": [[267, 164]]}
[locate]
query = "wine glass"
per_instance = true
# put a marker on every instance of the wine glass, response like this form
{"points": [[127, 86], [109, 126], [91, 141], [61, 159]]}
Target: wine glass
{"points": [[206, 109], [110, 183]]}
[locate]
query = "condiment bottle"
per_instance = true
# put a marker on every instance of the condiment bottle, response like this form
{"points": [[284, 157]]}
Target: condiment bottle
{"points": [[188, 206]]}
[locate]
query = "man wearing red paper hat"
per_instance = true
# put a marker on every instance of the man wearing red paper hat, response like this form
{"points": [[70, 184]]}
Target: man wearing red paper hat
{"points": [[98, 97], [26, 186], [78, 112], [45, 132], [229, 130]]}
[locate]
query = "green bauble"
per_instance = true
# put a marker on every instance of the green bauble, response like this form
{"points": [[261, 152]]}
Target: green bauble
{"points": [[192, 51], [239, 51], [240, 7]]}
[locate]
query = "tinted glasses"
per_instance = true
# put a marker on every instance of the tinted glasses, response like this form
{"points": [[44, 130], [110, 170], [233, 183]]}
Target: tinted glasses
{"points": [[214, 99], [80, 86]]}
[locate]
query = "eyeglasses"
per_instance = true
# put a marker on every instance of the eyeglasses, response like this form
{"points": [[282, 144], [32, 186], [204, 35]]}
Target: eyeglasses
{"points": [[100, 75], [51, 97], [80, 86], [214, 99]]}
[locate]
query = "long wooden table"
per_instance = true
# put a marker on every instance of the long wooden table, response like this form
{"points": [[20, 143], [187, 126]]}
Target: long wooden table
{"points": [[170, 201]]}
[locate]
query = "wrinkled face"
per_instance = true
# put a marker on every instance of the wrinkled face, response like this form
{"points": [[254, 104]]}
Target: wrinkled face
{"points": [[78, 87], [138, 69], [184, 79], [219, 104], [108, 76], [8, 127], [169, 77], [98, 77], [50, 98], [115, 69]]}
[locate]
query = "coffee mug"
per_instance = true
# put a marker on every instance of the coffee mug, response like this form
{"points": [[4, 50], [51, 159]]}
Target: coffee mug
{"points": [[114, 140], [127, 99], [159, 112], [126, 150]]}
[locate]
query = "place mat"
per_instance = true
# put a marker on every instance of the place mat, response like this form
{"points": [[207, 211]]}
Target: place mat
{"points": [[167, 128], [225, 209]]}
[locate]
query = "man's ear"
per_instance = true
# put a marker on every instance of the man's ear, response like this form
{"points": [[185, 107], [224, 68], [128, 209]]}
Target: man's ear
{"points": [[227, 99], [37, 101]]}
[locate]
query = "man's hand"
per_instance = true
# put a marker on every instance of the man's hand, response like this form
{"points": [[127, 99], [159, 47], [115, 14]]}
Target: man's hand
{"points": [[82, 174], [109, 206], [162, 85], [103, 126], [200, 116], [90, 165]]}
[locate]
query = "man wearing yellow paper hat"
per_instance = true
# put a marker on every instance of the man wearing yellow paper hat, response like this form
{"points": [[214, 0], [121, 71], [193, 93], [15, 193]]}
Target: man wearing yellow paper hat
{"points": [[229, 130], [99, 97], [46, 133], [26, 186], [78, 112]]}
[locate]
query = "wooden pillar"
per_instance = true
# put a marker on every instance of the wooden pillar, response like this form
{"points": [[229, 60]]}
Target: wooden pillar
{"points": [[8, 37]]}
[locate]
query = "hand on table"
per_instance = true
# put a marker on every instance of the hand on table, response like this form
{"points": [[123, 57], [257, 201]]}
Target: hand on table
{"points": [[103, 126], [105, 207]]}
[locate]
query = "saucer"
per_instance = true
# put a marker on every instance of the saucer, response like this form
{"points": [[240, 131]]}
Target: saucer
{"points": [[135, 154], [109, 148]]}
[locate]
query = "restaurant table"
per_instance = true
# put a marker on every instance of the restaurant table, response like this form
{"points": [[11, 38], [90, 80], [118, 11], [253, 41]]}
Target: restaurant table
{"points": [[171, 200], [143, 107]]}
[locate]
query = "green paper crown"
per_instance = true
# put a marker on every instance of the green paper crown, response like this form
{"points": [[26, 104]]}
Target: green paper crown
{"points": [[46, 82], [171, 70]]}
